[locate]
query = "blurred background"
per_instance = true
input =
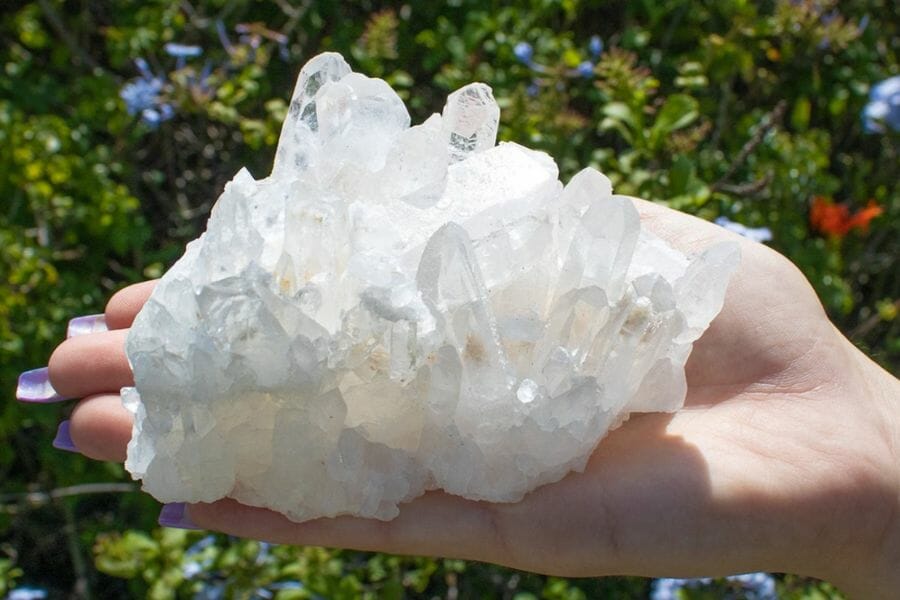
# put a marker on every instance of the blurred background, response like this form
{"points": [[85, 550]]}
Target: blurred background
{"points": [[120, 122]]}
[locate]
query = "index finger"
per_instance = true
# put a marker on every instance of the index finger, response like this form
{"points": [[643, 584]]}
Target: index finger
{"points": [[126, 303]]}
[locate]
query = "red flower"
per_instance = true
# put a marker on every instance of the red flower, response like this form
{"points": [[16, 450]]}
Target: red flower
{"points": [[835, 219]]}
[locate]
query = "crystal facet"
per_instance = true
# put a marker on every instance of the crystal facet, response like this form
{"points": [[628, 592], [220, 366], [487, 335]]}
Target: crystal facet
{"points": [[397, 309]]}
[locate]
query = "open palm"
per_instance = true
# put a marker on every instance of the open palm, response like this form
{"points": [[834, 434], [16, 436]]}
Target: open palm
{"points": [[781, 459]]}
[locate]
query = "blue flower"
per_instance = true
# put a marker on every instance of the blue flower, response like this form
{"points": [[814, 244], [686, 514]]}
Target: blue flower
{"points": [[757, 234], [212, 591], [863, 23], [883, 107], [140, 94], [756, 586], [191, 569], [753, 586], [524, 52], [27, 593], [154, 116], [194, 567], [182, 50], [143, 68], [595, 46], [264, 551], [665, 589], [585, 69]]}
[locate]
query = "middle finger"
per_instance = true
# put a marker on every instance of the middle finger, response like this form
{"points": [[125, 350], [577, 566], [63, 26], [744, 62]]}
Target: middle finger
{"points": [[91, 364]]}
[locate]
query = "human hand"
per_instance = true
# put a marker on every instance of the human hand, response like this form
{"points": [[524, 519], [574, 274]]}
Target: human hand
{"points": [[786, 456]]}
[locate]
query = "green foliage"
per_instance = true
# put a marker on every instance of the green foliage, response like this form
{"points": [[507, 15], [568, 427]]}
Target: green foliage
{"points": [[8, 575], [176, 564], [736, 109]]}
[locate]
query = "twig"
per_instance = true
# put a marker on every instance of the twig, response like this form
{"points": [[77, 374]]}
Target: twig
{"points": [[870, 323], [82, 589], [287, 9], [196, 20], [747, 189], [35, 499], [673, 27], [294, 15], [770, 122], [60, 29], [721, 114]]}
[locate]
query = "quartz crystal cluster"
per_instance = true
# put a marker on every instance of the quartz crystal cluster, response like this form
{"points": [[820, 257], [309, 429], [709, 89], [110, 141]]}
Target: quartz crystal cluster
{"points": [[397, 309]]}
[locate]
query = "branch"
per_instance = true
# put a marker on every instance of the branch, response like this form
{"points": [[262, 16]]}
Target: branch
{"points": [[81, 588], [59, 27], [294, 15], [35, 499], [747, 189], [770, 122], [869, 324]]}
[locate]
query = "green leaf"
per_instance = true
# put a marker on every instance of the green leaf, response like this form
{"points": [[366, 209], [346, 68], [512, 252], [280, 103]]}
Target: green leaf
{"points": [[680, 175], [609, 124], [800, 114], [679, 111], [124, 555], [620, 112]]}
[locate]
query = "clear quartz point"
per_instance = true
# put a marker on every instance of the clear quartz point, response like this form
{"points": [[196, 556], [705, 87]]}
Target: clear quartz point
{"points": [[471, 118]]}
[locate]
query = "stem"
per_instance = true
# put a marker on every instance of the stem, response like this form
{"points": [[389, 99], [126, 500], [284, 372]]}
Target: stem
{"points": [[82, 587]]}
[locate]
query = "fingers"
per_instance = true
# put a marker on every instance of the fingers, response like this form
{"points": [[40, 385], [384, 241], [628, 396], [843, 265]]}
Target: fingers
{"points": [[96, 362], [436, 524], [125, 304], [100, 427], [90, 364], [91, 360]]}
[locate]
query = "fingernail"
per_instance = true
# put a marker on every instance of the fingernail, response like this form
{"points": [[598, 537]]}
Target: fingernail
{"points": [[175, 515], [34, 386], [63, 439], [86, 324]]}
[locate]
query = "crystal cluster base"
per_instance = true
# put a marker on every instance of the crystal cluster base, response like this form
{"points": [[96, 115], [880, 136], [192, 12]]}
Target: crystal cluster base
{"points": [[397, 309]]}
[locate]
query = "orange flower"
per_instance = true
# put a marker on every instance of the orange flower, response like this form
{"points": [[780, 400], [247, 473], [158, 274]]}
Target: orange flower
{"points": [[835, 219], [861, 219]]}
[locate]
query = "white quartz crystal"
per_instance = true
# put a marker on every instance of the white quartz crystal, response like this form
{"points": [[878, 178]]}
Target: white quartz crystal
{"points": [[397, 309]]}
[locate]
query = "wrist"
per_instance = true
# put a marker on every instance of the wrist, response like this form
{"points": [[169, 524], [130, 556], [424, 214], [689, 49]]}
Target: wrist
{"points": [[874, 571]]}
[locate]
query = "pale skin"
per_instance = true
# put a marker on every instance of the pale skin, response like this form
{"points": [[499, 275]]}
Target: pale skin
{"points": [[786, 457]]}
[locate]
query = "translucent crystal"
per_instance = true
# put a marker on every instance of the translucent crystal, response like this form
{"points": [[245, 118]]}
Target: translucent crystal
{"points": [[397, 309]]}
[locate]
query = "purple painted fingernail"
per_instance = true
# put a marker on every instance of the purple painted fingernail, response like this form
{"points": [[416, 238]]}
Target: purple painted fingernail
{"points": [[86, 324], [63, 439], [34, 386], [174, 515]]}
